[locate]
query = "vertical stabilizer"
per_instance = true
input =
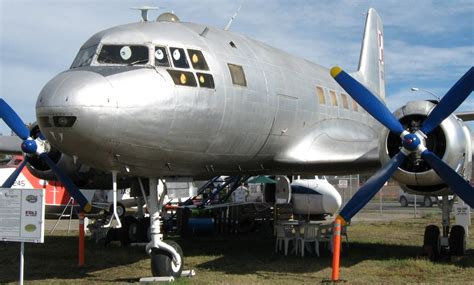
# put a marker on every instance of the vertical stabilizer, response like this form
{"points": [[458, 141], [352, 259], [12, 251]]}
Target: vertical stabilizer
{"points": [[371, 71]]}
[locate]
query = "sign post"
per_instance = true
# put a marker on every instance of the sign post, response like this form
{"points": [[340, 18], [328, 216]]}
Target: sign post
{"points": [[22, 218]]}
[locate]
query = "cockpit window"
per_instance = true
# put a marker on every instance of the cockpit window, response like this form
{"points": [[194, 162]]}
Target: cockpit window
{"points": [[197, 59], [179, 58], [161, 57], [123, 54], [84, 57]]}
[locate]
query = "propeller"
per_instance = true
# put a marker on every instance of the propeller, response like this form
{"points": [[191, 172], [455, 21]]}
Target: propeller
{"points": [[39, 148], [411, 142]]}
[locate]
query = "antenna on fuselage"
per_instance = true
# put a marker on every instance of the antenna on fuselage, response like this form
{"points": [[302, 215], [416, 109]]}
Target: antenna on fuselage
{"points": [[232, 19], [145, 10]]}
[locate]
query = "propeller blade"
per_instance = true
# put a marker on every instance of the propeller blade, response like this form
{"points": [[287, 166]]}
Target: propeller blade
{"points": [[371, 187], [12, 178], [13, 120], [367, 100], [450, 102], [456, 182], [70, 187]]}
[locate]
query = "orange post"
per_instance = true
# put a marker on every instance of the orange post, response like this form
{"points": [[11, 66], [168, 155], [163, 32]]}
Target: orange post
{"points": [[336, 233], [81, 240]]}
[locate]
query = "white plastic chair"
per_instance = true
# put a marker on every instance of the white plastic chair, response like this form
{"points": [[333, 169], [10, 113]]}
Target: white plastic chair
{"points": [[284, 234], [310, 235]]}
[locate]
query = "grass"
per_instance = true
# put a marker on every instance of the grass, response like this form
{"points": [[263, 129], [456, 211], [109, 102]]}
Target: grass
{"points": [[380, 252]]}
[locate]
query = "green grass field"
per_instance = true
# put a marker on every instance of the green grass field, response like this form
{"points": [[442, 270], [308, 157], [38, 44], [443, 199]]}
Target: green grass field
{"points": [[379, 252]]}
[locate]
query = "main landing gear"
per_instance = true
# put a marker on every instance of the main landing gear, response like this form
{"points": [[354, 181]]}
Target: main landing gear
{"points": [[449, 241]]}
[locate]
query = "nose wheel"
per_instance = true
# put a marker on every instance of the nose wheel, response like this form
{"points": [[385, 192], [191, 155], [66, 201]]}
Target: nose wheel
{"points": [[162, 263]]}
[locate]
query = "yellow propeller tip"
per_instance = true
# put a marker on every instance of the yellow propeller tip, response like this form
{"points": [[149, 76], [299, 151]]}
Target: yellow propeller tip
{"points": [[87, 208], [335, 71], [342, 220]]}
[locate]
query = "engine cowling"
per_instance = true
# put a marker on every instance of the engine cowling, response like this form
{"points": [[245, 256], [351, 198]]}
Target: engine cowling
{"points": [[451, 141]]}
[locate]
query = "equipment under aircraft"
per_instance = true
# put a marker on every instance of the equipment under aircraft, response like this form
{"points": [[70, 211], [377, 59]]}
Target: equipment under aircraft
{"points": [[165, 98]]}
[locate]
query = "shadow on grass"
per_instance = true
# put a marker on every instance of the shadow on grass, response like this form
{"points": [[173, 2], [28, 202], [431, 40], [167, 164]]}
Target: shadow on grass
{"points": [[57, 258], [249, 256]]}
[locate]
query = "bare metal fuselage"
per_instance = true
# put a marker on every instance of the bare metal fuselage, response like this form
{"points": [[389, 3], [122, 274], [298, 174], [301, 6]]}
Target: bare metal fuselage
{"points": [[136, 120]]}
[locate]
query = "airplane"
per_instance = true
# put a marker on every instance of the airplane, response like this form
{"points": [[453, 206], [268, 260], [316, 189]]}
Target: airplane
{"points": [[166, 98], [314, 196]]}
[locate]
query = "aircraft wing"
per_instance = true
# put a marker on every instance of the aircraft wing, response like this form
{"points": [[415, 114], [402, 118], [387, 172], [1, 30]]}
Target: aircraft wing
{"points": [[466, 116], [327, 148], [10, 145]]}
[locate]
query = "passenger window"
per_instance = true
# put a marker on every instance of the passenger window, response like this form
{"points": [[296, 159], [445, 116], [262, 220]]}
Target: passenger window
{"points": [[179, 58], [161, 57], [237, 74], [345, 102], [355, 106], [183, 78], [320, 92], [197, 59], [205, 80], [333, 98], [123, 54]]}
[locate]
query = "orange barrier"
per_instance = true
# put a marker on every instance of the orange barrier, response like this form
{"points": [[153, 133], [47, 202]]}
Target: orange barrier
{"points": [[336, 249], [81, 240]]}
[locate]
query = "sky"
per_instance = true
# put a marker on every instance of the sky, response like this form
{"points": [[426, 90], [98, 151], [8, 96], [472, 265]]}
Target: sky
{"points": [[428, 44]]}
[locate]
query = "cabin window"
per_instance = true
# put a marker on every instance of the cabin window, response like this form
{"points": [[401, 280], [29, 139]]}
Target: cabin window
{"points": [[320, 92], [333, 98], [123, 54], [355, 106], [237, 74], [161, 57], [197, 59], [84, 57], [205, 80], [179, 58], [345, 101], [183, 78]]}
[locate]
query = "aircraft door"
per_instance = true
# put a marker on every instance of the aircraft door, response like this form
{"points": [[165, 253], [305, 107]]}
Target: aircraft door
{"points": [[282, 190]]}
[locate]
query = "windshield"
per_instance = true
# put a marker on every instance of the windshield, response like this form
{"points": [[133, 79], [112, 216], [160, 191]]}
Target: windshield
{"points": [[123, 54], [84, 56]]}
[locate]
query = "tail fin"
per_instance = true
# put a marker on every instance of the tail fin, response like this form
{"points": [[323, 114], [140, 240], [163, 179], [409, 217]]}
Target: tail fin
{"points": [[371, 71]]}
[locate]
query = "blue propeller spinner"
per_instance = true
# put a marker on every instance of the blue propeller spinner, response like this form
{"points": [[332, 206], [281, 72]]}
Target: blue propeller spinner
{"points": [[411, 142], [38, 147]]}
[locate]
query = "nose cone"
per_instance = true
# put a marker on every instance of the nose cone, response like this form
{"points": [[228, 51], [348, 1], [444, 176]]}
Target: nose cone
{"points": [[332, 200], [75, 89]]}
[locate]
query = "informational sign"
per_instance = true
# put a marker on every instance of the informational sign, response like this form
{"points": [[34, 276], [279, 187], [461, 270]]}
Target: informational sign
{"points": [[343, 183], [22, 215], [462, 214]]}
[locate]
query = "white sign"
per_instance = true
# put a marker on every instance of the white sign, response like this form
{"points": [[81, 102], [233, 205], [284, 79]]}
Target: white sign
{"points": [[22, 215], [463, 216], [343, 183]]}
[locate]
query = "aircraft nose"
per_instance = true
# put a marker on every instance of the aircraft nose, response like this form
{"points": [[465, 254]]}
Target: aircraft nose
{"points": [[332, 201], [72, 89]]}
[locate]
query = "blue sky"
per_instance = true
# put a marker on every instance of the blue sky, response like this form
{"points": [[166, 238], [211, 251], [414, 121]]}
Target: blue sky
{"points": [[428, 44]]}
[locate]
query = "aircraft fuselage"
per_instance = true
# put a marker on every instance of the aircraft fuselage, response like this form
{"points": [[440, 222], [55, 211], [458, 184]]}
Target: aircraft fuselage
{"points": [[146, 119]]}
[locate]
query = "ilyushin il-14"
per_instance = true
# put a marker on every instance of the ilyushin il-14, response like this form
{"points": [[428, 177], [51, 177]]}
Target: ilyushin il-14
{"points": [[166, 99]]}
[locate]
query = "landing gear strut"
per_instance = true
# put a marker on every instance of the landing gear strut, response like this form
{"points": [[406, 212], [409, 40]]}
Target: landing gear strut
{"points": [[452, 241], [166, 257]]}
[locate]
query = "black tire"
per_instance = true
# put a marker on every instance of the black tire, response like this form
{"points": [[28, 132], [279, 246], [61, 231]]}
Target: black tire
{"points": [[431, 245], [124, 231], [457, 240], [161, 261], [121, 211], [427, 202], [403, 201]]}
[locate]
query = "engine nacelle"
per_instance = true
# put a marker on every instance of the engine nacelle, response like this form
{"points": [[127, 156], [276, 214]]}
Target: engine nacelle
{"points": [[450, 141]]}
